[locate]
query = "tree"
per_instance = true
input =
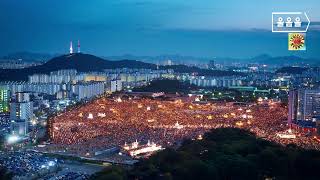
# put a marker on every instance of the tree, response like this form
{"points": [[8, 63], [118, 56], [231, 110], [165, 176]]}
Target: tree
{"points": [[226, 153], [4, 174]]}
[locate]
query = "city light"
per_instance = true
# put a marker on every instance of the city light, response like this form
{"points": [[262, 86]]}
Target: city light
{"points": [[119, 99], [13, 139], [34, 122], [90, 116], [51, 163]]}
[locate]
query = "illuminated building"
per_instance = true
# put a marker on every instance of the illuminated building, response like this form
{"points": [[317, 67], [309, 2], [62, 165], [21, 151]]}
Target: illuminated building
{"points": [[64, 72], [135, 77], [204, 81], [21, 112], [136, 150], [304, 104], [48, 88], [66, 76], [100, 78], [211, 64], [61, 76], [63, 84], [168, 62], [4, 100], [88, 90], [115, 85]]}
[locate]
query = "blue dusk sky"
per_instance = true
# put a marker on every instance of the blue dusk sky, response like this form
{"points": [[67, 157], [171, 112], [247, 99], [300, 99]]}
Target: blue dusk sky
{"points": [[203, 28]]}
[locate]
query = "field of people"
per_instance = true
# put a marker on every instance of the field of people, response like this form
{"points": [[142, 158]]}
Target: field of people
{"points": [[110, 122]]}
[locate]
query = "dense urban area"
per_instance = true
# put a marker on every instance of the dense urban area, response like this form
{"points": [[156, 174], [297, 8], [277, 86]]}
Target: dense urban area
{"points": [[121, 122]]}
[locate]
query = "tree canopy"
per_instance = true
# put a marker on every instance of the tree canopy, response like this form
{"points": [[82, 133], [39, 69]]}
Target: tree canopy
{"points": [[226, 153]]}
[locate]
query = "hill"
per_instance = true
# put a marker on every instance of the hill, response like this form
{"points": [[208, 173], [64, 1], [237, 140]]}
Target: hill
{"points": [[285, 60], [88, 63], [225, 153], [80, 62]]}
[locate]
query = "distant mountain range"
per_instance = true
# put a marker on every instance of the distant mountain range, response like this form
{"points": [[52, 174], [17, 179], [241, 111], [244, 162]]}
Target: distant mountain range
{"points": [[261, 59], [269, 60], [29, 57], [178, 59], [89, 63]]}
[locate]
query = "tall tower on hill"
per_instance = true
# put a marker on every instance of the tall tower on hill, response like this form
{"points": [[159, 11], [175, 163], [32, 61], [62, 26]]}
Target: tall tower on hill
{"points": [[71, 48], [79, 46]]}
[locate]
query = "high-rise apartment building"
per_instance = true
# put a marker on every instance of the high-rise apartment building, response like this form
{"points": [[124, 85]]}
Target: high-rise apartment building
{"points": [[4, 100], [304, 104]]}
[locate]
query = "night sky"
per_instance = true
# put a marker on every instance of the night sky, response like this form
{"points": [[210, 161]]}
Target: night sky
{"points": [[204, 28]]}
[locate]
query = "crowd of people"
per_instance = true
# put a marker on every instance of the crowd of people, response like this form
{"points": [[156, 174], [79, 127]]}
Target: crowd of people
{"points": [[110, 122]]}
